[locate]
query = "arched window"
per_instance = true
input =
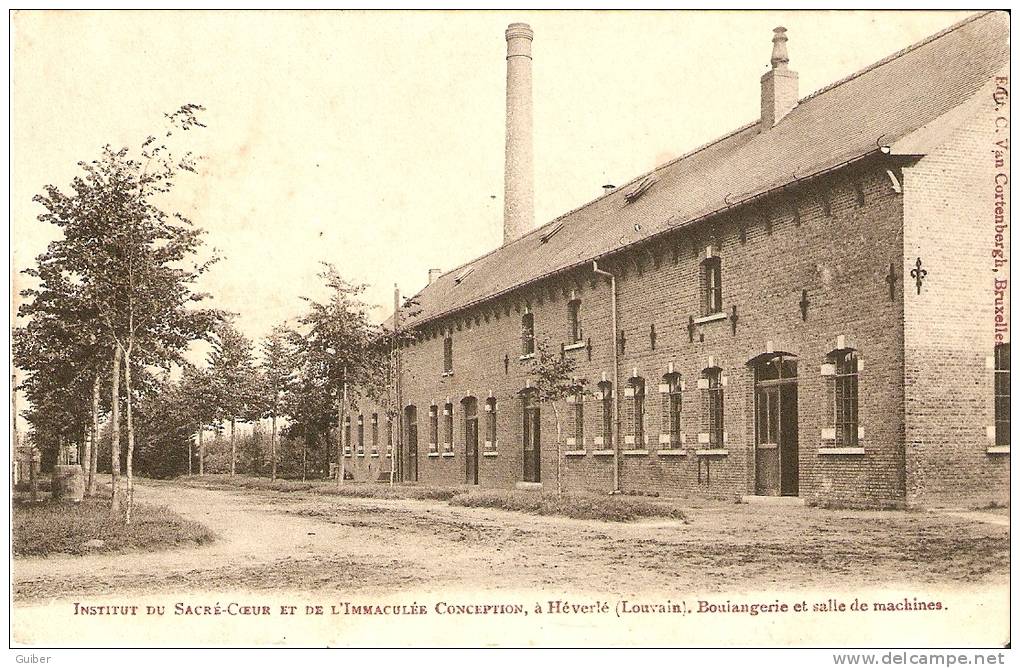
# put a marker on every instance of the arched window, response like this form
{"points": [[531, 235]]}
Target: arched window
{"points": [[433, 428], [528, 334], [375, 433], [1002, 394], [605, 406], [574, 333], [490, 423], [576, 427], [843, 365], [635, 393], [448, 354], [711, 285], [448, 427], [711, 384], [672, 408]]}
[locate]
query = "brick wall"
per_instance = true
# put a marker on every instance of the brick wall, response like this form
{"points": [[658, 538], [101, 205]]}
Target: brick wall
{"points": [[838, 246], [949, 195]]}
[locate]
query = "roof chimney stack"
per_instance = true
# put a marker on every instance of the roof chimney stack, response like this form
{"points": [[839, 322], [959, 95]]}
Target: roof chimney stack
{"points": [[518, 175], [434, 274], [779, 85]]}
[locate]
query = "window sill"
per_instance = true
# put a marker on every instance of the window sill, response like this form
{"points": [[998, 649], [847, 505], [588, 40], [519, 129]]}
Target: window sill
{"points": [[575, 453], [635, 452], [579, 345], [448, 454], [433, 454], [446, 374], [603, 453], [711, 317], [997, 450], [712, 452], [360, 454], [832, 450], [490, 454], [374, 454], [529, 356], [676, 452]]}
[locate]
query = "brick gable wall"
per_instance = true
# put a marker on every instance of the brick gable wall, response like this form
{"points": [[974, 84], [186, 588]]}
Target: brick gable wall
{"points": [[950, 325]]}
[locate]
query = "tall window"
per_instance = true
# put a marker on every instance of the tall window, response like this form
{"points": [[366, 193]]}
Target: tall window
{"points": [[361, 434], [713, 393], [375, 433], [711, 282], [1002, 394], [636, 414], [448, 427], [606, 408], [389, 435], [528, 334], [490, 423], [433, 428], [578, 416], [844, 396], [672, 407], [574, 333], [448, 354], [347, 435]]}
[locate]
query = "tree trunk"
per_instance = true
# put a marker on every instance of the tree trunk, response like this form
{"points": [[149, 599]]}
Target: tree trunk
{"points": [[341, 410], [191, 454], [233, 449], [92, 449], [130, 437], [304, 457], [115, 433], [272, 448], [33, 475], [201, 451]]}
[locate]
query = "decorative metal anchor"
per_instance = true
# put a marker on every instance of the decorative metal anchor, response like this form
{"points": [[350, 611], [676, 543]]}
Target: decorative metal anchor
{"points": [[918, 274]]}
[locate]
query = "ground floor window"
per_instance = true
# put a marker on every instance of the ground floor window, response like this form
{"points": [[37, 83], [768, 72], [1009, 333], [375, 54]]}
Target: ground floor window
{"points": [[713, 401], [844, 397], [1002, 394]]}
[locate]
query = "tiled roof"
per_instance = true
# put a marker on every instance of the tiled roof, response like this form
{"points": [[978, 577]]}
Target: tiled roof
{"points": [[879, 106]]}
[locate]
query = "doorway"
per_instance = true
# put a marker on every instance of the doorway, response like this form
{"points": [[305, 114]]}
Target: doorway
{"points": [[777, 447], [532, 438], [411, 429], [470, 406]]}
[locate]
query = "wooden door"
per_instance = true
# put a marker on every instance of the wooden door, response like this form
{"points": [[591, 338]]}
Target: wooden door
{"points": [[767, 468], [412, 444], [532, 442]]}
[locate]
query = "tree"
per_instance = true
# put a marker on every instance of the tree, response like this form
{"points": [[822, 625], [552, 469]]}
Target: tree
{"points": [[277, 378], [335, 344], [553, 380], [134, 263], [234, 379]]}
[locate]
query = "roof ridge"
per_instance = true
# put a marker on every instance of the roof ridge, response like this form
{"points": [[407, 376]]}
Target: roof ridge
{"points": [[898, 54], [698, 149], [930, 38]]}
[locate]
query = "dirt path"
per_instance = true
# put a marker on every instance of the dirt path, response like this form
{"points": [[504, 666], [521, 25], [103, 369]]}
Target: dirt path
{"points": [[270, 541]]}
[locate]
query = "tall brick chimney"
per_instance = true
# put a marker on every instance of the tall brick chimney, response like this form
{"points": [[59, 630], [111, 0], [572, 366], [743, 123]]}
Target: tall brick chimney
{"points": [[778, 85], [518, 175]]}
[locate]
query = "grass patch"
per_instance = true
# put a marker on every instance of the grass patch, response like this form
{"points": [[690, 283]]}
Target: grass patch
{"points": [[325, 487], [62, 528], [575, 505]]}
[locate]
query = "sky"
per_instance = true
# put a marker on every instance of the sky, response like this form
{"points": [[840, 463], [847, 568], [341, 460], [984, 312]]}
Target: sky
{"points": [[374, 140]]}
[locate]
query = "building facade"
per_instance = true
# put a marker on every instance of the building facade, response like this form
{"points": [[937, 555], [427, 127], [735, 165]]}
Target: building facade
{"points": [[812, 306]]}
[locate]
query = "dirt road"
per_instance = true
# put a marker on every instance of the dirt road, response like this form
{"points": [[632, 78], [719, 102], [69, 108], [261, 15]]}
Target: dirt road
{"points": [[303, 542]]}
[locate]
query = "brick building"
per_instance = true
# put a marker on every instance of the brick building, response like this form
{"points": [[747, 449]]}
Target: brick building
{"points": [[806, 307]]}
